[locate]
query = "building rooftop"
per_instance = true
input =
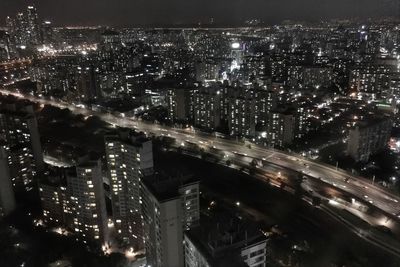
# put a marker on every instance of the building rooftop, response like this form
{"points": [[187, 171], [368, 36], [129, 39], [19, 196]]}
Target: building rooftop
{"points": [[128, 136], [221, 236], [165, 187], [55, 176], [371, 121]]}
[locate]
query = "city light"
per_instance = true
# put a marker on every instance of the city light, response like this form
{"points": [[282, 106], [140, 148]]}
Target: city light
{"points": [[141, 140], [106, 249], [235, 45], [130, 253]]}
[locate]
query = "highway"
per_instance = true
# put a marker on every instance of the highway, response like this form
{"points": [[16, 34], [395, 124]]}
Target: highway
{"points": [[356, 187]]}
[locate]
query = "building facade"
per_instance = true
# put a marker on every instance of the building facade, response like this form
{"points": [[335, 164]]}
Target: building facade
{"points": [[7, 199], [87, 202], [163, 230], [129, 159], [368, 137]]}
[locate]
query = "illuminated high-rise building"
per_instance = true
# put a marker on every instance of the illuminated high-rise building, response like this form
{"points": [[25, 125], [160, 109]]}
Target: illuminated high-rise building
{"points": [[19, 131], [33, 26], [25, 28], [129, 158], [54, 198], [6, 50], [87, 83], [47, 32], [22, 166], [207, 108], [242, 120], [163, 223], [179, 103], [19, 30], [88, 206], [190, 197], [371, 81], [237, 55], [170, 206], [7, 199], [266, 101], [208, 70], [281, 128]]}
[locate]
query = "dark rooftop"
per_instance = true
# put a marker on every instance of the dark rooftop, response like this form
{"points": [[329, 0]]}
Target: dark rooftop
{"points": [[165, 187]]}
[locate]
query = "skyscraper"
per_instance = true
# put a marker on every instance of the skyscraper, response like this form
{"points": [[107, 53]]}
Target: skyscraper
{"points": [[86, 83], [33, 26], [237, 54], [207, 108], [54, 198], [281, 128], [25, 28], [190, 197], [129, 158], [47, 32], [7, 199], [163, 232], [180, 106], [18, 31], [88, 203], [170, 206], [241, 115], [19, 131]]}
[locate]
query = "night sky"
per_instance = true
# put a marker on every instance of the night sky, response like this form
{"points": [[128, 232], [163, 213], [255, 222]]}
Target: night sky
{"points": [[161, 12]]}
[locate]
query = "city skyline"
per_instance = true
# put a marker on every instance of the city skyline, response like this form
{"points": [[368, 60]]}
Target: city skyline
{"points": [[192, 12], [200, 144]]}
